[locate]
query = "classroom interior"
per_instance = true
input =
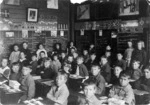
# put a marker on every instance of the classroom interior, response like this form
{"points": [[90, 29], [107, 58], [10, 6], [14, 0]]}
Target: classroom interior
{"points": [[107, 25]]}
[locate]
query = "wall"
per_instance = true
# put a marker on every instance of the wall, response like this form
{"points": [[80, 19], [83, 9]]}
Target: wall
{"points": [[50, 22]]}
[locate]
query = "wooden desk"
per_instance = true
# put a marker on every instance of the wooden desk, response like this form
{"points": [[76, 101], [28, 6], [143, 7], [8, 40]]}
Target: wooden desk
{"points": [[10, 97]]}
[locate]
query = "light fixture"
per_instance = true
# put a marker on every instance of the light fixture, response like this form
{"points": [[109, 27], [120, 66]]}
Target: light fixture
{"points": [[77, 1], [1, 1]]}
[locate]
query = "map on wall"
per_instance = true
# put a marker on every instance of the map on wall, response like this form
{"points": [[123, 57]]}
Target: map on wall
{"points": [[129, 7]]}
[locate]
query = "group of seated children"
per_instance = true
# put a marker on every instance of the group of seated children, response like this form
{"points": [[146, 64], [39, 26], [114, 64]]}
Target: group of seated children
{"points": [[97, 74]]}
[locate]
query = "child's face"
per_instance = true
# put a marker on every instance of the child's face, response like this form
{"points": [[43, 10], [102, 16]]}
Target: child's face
{"points": [[119, 56], [70, 59], [95, 71], [79, 61], [63, 55], [103, 61], [107, 54], [135, 65], [26, 71], [146, 73], [75, 55], [91, 46], [85, 52], [4, 62], [15, 68], [124, 81], [16, 48], [34, 58], [93, 57], [46, 64], [42, 55], [60, 80], [22, 55], [25, 45], [117, 71], [71, 43], [89, 90], [40, 46], [57, 46], [72, 50], [129, 44], [55, 58], [139, 46]]}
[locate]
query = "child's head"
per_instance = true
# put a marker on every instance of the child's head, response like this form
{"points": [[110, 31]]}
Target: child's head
{"points": [[108, 48], [75, 54], [85, 52], [80, 60], [4, 62], [42, 54], [15, 67], [22, 55], [25, 45], [16, 47], [104, 60], [89, 87], [124, 78], [47, 62], [130, 44], [72, 50], [55, 57], [107, 53], [66, 67], [139, 45], [70, 58], [119, 56], [71, 43], [117, 71], [136, 65], [26, 70], [91, 45], [147, 72], [61, 78], [95, 69], [40, 46], [34, 57], [63, 54], [93, 56]]}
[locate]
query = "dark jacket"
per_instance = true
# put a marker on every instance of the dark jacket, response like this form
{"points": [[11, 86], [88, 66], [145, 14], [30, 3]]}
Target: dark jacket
{"points": [[83, 70], [106, 72], [121, 63]]}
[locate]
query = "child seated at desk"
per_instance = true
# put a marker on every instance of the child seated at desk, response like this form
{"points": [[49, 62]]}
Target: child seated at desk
{"points": [[81, 69], [34, 63], [59, 93], [123, 90], [99, 79], [15, 74], [4, 70], [27, 83], [89, 97], [144, 83]]}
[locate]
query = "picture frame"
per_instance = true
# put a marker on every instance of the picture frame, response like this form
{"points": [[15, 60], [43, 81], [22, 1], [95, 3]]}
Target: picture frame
{"points": [[32, 15], [9, 34], [83, 12], [128, 7], [12, 2]]}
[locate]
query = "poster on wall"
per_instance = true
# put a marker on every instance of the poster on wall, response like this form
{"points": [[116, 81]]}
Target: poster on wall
{"points": [[129, 7], [32, 15], [24, 33], [54, 33], [83, 12], [53, 4]]}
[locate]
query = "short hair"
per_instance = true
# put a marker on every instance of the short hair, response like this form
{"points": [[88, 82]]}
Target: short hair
{"points": [[34, 54], [55, 55], [24, 42], [42, 52], [93, 53], [63, 73], [80, 57], [136, 61], [95, 65], [47, 59], [89, 81], [27, 66], [23, 53], [147, 67], [16, 64], [118, 66], [125, 74], [104, 57]]}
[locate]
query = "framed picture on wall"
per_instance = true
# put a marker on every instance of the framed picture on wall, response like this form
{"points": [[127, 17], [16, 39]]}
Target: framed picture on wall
{"points": [[9, 34], [32, 14], [12, 2], [83, 12], [129, 7]]}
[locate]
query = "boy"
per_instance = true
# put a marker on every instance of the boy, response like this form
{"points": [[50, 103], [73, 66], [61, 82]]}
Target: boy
{"points": [[89, 97], [27, 83], [86, 56], [56, 63], [34, 63], [105, 69], [123, 91], [120, 62], [59, 93], [99, 79], [5, 70], [15, 75], [136, 73], [81, 69]]}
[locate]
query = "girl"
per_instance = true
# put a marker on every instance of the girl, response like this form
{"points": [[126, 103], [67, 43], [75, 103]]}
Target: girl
{"points": [[70, 46], [41, 48]]}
